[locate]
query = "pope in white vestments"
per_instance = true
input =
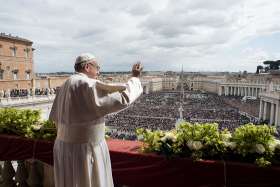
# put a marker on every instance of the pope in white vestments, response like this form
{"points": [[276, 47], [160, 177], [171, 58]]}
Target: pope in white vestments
{"points": [[81, 155]]}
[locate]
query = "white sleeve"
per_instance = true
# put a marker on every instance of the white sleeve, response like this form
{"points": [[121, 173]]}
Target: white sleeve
{"points": [[113, 102]]}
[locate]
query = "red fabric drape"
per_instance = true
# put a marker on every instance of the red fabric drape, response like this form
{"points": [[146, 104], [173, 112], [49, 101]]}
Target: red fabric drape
{"points": [[137, 169]]}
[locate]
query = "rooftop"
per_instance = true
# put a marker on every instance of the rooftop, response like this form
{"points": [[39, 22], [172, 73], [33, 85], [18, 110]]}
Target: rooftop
{"points": [[15, 38]]}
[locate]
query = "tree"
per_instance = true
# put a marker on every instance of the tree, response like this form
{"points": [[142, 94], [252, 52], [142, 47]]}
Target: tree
{"points": [[273, 65], [259, 67], [266, 69]]}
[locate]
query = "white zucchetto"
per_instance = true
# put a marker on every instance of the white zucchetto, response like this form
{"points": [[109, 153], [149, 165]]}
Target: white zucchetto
{"points": [[85, 57]]}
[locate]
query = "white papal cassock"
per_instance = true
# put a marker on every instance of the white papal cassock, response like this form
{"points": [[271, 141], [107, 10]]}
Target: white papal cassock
{"points": [[81, 156]]}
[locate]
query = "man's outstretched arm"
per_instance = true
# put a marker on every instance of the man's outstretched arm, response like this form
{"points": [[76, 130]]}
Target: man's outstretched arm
{"points": [[116, 101]]}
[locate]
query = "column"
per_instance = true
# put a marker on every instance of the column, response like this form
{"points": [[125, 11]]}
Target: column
{"points": [[268, 110], [272, 115], [227, 90], [220, 90], [261, 110], [249, 91], [264, 110], [238, 91], [49, 83], [277, 114], [246, 93], [33, 86]]}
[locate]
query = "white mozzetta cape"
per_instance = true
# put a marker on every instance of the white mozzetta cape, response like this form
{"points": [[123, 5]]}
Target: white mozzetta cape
{"points": [[81, 156]]}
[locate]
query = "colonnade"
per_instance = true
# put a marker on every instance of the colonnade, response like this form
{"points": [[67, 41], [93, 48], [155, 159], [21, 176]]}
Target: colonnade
{"points": [[269, 111], [240, 91]]}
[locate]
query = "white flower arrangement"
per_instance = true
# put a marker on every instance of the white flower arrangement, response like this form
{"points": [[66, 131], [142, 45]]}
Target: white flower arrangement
{"points": [[226, 136], [277, 144], [169, 136], [259, 148], [140, 137], [36, 127], [231, 145], [194, 145], [205, 141], [274, 145]]}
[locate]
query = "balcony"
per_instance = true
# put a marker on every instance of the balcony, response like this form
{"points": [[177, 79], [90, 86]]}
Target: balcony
{"points": [[130, 167]]}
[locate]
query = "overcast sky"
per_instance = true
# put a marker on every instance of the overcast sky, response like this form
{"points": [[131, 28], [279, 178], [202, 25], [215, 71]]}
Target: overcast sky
{"points": [[201, 35]]}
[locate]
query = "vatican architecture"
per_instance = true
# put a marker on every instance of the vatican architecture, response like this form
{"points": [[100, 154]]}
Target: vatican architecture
{"points": [[228, 100], [20, 87]]}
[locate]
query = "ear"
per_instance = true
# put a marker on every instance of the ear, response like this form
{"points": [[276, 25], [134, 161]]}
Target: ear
{"points": [[86, 68]]}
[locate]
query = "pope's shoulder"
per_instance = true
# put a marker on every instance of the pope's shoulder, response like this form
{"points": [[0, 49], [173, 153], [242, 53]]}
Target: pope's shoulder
{"points": [[80, 79]]}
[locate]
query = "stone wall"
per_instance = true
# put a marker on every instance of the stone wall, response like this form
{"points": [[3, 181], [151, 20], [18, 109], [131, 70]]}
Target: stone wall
{"points": [[20, 62]]}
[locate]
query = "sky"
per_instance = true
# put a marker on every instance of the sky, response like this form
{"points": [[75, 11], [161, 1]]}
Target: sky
{"points": [[164, 35]]}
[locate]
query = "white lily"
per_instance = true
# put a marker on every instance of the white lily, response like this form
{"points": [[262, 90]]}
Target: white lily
{"points": [[259, 148], [194, 145], [168, 136]]}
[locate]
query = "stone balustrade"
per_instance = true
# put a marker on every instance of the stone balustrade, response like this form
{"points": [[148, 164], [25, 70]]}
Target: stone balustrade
{"points": [[22, 101], [26, 173]]}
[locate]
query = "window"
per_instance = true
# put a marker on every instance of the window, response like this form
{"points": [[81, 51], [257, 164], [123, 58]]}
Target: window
{"points": [[13, 51], [1, 74], [27, 75], [26, 51], [15, 74]]}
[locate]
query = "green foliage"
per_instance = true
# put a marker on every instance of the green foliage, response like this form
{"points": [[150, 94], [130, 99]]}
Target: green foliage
{"points": [[107, 133], [255, 142], [26, 122], [253, 139], [46, 131], [262, 162], [18, 121], [201, 139], [249, 143], [151, 138]]}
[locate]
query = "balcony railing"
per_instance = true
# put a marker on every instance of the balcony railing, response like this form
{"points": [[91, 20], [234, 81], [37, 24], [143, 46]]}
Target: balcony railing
{"points": [[129, 166], [26, 173], [22, 101]]}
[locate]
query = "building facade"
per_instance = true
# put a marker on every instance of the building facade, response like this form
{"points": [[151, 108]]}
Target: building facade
{"points": [[16, 62], [16, 58], [270, 106], [16, 66]]}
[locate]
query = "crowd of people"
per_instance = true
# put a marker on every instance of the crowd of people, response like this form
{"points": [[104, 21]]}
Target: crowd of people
{"points": [[26, 92], [160, 111], [249, 106]]}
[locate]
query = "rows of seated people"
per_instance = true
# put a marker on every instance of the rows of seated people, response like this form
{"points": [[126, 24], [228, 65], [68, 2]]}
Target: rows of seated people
{"points": [[160, 110]]}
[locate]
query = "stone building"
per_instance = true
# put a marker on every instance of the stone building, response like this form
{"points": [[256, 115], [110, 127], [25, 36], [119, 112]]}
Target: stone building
{"points": [[16, 62], [16, 66], [249, 85], [270, 105]]}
